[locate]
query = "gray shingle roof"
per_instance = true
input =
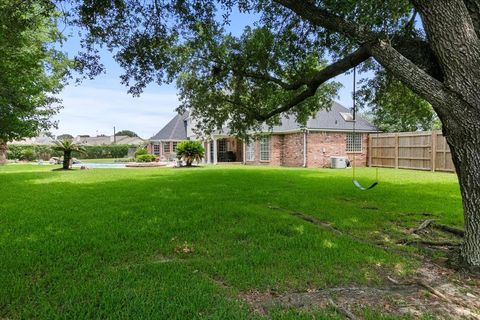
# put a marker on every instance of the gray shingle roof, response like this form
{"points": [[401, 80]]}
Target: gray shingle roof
{"points": [[174, 130], [330, 120]]}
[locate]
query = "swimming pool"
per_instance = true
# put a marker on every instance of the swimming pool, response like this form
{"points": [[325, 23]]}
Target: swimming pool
{"points": [[99, 165]]}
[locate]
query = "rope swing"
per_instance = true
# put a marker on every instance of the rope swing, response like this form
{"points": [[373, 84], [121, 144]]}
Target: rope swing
{"points": [[354, 180]]}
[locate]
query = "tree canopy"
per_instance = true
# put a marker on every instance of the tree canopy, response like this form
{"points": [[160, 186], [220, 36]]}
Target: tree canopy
{"points": [[65, 136], [32, 70], [127, 133], [279, 63], [392, 107]]}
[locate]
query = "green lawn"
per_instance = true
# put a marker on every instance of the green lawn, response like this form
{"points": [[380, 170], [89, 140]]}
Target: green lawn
{"points": [[186, 243]]}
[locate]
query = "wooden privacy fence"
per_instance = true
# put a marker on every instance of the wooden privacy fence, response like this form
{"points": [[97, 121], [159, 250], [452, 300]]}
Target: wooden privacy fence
{"points": [[426, 150]]}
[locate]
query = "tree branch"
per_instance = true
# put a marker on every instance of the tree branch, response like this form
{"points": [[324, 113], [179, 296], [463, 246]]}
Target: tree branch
{"points": [[473, 7], [411, 74], [333, 70], [266, 77], [329, 21]]}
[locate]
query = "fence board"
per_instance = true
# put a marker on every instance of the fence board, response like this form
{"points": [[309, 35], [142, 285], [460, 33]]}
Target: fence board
{"points": [[426, 150]]}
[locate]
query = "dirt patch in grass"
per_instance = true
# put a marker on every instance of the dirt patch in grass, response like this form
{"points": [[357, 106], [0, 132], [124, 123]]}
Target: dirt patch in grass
{"points": [[434, 290]]}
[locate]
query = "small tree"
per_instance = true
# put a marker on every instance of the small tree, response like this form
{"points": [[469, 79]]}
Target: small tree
{"points": [[190, 151], [65, 136], [127, 133], [67, 147]]}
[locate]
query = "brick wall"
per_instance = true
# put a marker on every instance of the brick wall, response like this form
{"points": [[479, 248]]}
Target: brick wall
{"points": [[287, 150], [293, 150], [323, 145], [163, 155]]}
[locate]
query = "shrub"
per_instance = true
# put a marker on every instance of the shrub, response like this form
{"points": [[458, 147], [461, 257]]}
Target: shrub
{"points": [[190, 151], [106, 151], [140, 152], [146, 158], [28, 154], [45, 152]]}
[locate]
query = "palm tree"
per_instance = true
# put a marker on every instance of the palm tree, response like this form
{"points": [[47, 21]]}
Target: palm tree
{"points": [[67, 147], [190, 151]]}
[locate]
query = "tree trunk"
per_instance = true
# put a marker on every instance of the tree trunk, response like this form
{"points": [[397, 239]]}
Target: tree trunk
{"points": [[67, 155], [464, 141], [3, 152]]}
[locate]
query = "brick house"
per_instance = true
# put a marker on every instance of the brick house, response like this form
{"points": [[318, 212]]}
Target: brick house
{"points": [[164, 143], [327, 134]]}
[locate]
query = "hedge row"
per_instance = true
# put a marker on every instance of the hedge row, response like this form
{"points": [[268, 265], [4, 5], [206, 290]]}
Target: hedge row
{"points": [[45, 152]]}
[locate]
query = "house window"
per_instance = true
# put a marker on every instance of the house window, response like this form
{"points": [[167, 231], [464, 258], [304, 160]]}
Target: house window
{"points": [[166, 147], [174, 146], [222, 146], [156, 149], [250, 152], [354, 142], [265, 149]]}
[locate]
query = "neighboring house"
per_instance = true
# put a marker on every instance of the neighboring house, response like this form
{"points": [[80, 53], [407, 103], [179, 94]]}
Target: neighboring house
{"points": [[41, 139], [327, 134], [108, 140]]}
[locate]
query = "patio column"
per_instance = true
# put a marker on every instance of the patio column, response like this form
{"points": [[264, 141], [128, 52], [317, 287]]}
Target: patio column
{"points": [[215, 160], [207, 152], [244, 152]]}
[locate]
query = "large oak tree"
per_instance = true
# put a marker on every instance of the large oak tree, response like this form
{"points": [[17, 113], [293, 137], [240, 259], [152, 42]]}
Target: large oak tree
{"points": [[32, 70], [279, 64]]}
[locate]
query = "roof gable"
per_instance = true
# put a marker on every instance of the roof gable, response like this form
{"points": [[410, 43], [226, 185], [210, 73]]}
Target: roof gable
{"points": [[173, 130]]}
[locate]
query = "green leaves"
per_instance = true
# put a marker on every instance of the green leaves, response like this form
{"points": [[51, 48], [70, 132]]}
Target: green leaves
{"points": [[68, 146], [190, 151], [394, 107], [32, 71]]}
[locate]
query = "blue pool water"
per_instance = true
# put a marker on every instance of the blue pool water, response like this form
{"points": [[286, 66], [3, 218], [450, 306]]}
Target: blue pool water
{"points": [[99, 165]]}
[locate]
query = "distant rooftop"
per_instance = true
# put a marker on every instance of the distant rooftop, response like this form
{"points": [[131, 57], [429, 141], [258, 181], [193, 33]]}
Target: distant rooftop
{"points": [[106, 140]]}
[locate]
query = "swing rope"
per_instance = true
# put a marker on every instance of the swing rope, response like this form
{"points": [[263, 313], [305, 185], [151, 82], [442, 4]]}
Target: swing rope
{"points": [[354, 179]]}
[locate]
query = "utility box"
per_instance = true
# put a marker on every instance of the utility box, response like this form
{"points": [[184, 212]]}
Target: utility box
{"points": [[338, 162]]}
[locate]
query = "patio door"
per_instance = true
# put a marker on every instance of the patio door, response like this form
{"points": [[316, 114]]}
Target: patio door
{"points": [[222, 150]]}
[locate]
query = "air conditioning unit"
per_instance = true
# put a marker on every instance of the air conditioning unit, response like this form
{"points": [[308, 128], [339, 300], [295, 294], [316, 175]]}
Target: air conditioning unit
{"points": [[339, 162]]}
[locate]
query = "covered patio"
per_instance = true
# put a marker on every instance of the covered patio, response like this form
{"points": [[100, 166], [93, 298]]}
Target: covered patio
{"points": [[222, 149]]}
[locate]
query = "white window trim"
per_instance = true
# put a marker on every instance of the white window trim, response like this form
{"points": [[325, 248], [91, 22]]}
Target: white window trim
{"points": [[353, 147], [156, 152], [169, 147], [263, 141], [250, 151]]}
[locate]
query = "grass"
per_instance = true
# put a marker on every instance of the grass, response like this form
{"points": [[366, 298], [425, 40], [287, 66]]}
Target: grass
{"points": [[183, 244]]}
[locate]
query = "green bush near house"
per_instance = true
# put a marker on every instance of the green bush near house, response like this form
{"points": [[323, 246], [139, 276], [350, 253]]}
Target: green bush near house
{"points": [[140, 152], [145, 158], [28, 154], [190, 151]]}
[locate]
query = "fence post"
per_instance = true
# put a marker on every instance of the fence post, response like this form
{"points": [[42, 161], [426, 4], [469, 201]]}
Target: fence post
{"points": [[396, 150], [434, 150], [370, 150]]}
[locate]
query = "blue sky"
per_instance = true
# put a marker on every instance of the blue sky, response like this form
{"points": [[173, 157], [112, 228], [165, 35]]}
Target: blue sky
{"points": [[96, 106]]}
